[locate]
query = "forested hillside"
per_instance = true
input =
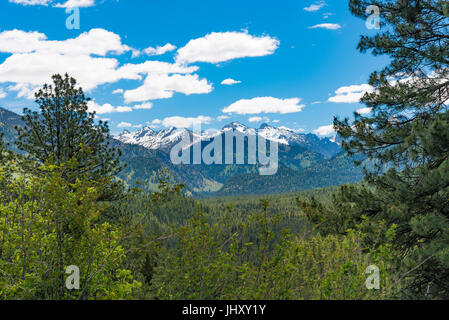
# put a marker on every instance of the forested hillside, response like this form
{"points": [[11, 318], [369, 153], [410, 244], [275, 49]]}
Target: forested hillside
{"points": [[336, 171]]}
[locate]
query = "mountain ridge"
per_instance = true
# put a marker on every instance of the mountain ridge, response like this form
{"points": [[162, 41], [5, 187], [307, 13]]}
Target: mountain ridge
{"points": [[305, 160], [166, 138]]}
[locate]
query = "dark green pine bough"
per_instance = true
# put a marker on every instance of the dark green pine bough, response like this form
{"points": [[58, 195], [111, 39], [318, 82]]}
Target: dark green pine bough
{"points": [[407, 135], [64, 129]]}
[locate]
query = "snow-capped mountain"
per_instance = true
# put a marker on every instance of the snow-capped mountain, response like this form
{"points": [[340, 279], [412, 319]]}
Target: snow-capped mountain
{"points": [[238, 127], [165, 139], [152, 139], [286, 136], [281, 135]]}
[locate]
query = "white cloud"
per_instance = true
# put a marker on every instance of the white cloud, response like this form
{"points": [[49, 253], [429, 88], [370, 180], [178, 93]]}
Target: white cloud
{"points": [[67, 4], [154, 124], [100, 109], [31, 2], [264, 105], [181, 122], [315, 7], [325, 131], [159, 50], [255, 119], [350, 94], [147, 106], [76, 4], [117, 91], [24, 90], [124, 125], [2, 93], [329, 26], [258, 119], [364, 110], [230, 82], [161, 86], [106, 108], [36, 69], [128, 125], [223, 46], [123, 109], [154, 67], [96, 41], [135, 53], [34, 59], [221, 118]]}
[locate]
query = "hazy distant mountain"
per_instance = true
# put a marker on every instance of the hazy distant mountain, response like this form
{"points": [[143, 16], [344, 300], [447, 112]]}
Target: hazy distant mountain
{"points": [[305, 160]]}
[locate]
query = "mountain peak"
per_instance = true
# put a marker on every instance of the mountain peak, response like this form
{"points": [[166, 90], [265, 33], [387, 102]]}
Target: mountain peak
{"points": [[170, 130], [234, 125], [147, 128], [265, 125]]}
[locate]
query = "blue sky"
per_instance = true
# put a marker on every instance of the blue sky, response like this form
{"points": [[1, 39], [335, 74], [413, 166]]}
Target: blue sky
{"points": [[162, 63]]}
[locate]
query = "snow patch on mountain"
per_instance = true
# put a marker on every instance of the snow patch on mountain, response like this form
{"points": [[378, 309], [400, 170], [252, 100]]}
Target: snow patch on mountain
{"points": [[151, 139], [281, 135]]}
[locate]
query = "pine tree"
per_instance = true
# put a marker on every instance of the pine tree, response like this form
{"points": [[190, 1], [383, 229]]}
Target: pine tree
{"points": [[6, 158], [407, 136], [64, 129], [3, 151]]}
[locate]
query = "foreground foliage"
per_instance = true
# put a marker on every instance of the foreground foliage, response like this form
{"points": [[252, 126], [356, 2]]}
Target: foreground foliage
{"points": [[207, 264], [48, 224]]}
